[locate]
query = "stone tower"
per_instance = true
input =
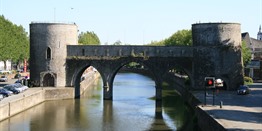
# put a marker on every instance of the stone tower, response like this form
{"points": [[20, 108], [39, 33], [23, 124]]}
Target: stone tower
{"points": [[217, 53], [259, 34], [48, 51]]}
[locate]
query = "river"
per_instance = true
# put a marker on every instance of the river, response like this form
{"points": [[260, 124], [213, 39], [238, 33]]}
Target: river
{"points": [[133, 108]]}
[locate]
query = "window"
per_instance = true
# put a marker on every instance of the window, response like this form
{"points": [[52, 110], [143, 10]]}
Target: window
{"points": [[48, 53], [83, 52]]}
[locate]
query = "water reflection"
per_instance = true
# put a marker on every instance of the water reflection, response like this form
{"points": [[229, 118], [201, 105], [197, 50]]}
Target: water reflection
{"points": [[159, 123], [131, 109]]}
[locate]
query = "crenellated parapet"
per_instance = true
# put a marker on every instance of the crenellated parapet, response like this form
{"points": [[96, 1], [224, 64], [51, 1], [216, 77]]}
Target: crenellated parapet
{"points": [[107, 51]]}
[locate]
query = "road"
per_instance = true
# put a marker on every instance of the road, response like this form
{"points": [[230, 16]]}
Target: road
{"points": [[238, 112]]}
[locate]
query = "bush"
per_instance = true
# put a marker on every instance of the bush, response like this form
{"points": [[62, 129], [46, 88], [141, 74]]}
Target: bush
{"points": [[248, 80]]}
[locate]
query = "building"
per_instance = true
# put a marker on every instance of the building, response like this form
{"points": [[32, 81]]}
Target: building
{"points": [[254, 68]]}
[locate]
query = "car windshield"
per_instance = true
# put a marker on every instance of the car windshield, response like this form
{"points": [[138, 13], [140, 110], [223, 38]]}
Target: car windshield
{"points": [[2, 76]]}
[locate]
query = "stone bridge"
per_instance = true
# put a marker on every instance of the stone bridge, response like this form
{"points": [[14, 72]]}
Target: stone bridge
{"points": [[57, 60], [108, 60]]}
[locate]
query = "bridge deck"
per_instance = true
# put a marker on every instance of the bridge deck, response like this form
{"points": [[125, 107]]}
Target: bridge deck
{"points": [[128, 51]]}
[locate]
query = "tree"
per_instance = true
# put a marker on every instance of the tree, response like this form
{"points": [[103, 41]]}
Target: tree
{"points": [[157, 43], [246, 53], [14, 42], [88, 38], [179, 38], [118, 42]]}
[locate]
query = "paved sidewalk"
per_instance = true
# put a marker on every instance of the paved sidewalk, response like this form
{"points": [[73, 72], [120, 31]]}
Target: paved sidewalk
{"points": [[238, 112], [29, 91]]}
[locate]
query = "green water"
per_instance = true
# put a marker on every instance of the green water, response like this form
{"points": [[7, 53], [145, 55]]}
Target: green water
{"points": [[132, 109]]}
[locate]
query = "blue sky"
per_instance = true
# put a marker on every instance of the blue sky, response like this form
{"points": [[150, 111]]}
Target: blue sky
{"points": [[134, 21]]}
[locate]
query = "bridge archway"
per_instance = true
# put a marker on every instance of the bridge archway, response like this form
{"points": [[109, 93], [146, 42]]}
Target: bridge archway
{"points": [[179, 78], [146, 70], [78, 77]]}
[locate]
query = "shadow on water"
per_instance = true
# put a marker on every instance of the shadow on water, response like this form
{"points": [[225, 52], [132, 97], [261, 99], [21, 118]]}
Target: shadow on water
{"points": [[176, 108]]}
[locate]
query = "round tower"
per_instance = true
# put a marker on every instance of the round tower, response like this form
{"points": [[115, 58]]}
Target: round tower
{"points": [[48, 51], [217, 53]]}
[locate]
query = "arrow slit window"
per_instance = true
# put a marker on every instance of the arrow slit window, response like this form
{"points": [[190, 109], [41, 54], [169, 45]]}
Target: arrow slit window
{"points": [[48, 53]]}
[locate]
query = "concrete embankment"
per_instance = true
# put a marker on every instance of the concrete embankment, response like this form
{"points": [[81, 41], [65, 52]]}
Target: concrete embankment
{"points": [[236, 112], [15, 104], [33, 96], [204, 121]]}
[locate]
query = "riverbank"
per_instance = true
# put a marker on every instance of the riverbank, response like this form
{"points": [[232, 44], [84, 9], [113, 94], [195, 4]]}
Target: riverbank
{"points": [[15, 104], [236, 112]]}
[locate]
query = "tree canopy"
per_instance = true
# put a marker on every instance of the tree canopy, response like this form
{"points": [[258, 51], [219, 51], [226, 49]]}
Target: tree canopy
{"points": [[14, 42], [246, 53], [88, 38], [179, 38], [118, 42]]}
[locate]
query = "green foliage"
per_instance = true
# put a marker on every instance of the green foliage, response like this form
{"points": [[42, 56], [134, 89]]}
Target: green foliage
{"points": [[180, 38], [14, 42], [157, 43], [88, 38], [247, 80], [246, 53], [118, 42]]}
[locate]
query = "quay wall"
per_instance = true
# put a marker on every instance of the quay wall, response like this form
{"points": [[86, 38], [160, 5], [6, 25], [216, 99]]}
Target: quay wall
{"points": [[43, 94], [59, 93], [89, 81], [25, 102], [204, 120]]}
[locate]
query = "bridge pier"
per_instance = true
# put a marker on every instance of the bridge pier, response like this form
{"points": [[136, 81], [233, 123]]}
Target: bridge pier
{"points": [[108, 92], [158, 93], [107, 76], [158, 88]]}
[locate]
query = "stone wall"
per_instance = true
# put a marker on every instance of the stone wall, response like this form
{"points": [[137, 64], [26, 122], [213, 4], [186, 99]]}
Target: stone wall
{"points": [[21, 104], [129, 51]]}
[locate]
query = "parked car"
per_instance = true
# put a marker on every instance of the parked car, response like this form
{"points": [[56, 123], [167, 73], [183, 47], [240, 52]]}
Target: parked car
{"points": [[13, 88], [3, 78], [5, 92], [243, 90], [20, 86]]}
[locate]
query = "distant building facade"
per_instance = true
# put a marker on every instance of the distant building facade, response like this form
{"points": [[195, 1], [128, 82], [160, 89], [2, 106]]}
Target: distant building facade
{"points": [[254, 68]]}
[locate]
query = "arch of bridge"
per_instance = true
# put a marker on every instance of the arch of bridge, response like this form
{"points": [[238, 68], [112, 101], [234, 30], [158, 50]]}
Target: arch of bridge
{"points": [[108, 69]]}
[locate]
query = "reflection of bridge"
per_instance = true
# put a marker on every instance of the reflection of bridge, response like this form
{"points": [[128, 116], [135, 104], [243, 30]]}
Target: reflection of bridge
{"points": [[215, 52]]}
